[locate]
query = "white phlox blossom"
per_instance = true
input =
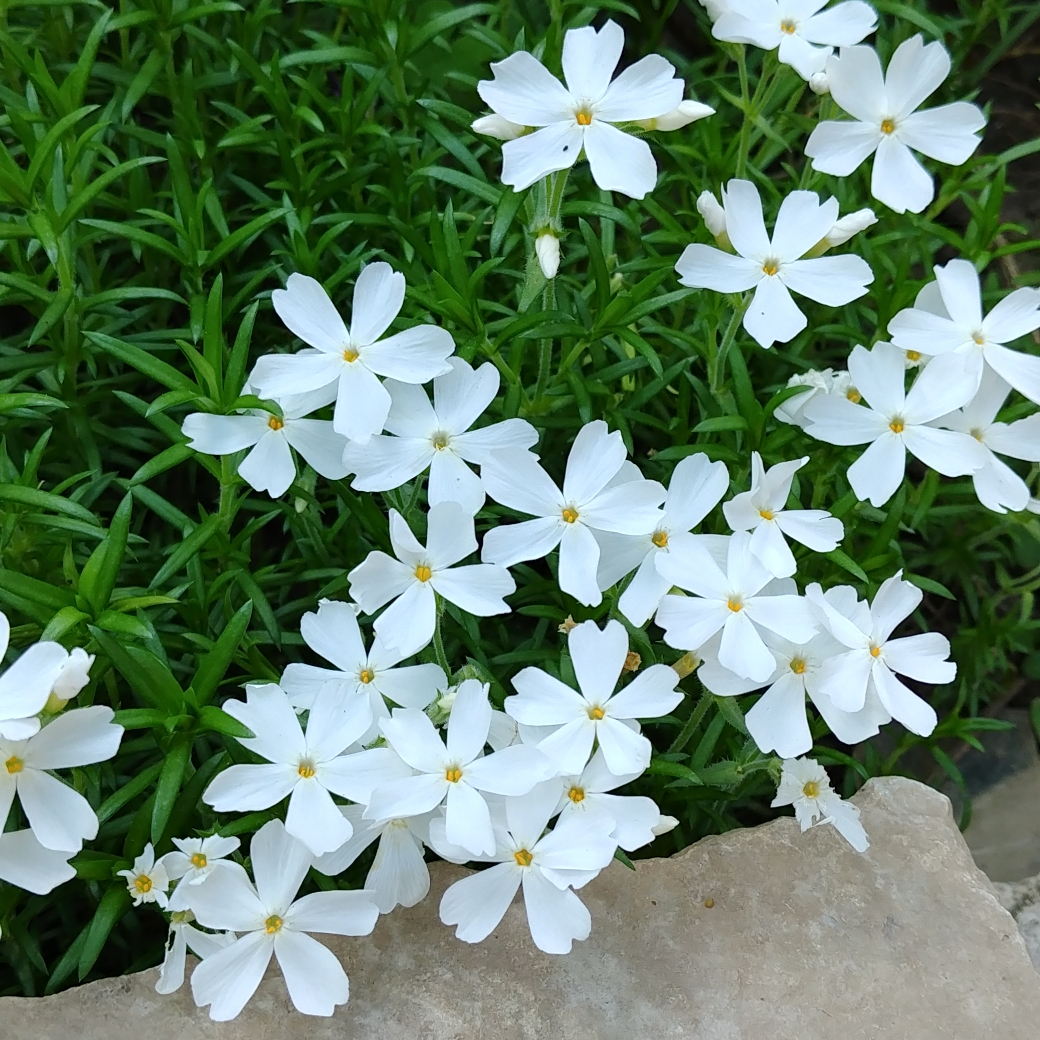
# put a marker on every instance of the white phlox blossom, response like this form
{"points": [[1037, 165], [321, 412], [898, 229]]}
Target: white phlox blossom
{"points": [[438, 437], [596, 496], [683, 114], [307, 768], [874, 658], [715, 8], [998, 486], [270, 921], [805, 785], [25, 863], [60, 817], [74, 675], [824, 381], [776, 266], [735, 601], [547, 249], [895, 422], [762, 510], [398, 875], [500, 128], [885, 120], [696, 487], [354, 358], [27, 684], [419, 575], [333, 633], [580, 117], [596, 714], [549, 866], [192, 862], [147, 880], [184, 936], [947, 321], [803, 34]]}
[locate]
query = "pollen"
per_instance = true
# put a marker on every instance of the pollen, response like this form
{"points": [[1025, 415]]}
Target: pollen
{"points": [[888, 126], [913, 355], [875, 651], [275, 423], [273, 924], [350, 354], [735, 603], [143, 884], [584, 118], [853, 395], [798, 665], [978, 339], [14, 764], [570, 515], [576, 794], [423, 572], [453, 775], [440, 440], [770, 267], [366, 675], [788, 27], [306, 769], [523, 858], [199, 861], [660, 539], [596, 713], [766, 514], [811, 789], [897, 426]]}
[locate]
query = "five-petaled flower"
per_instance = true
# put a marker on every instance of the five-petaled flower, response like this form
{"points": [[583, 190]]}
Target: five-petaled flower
{"points": [[805, 785]]}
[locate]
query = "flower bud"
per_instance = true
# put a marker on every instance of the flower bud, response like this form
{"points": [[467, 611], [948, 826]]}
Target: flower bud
{"points": [[714, 217], [74, 675], [849, 225], [498, 127], [687, 112], [440, 709], [547, 246], [664, 825], [715, 8], [819, 83]]}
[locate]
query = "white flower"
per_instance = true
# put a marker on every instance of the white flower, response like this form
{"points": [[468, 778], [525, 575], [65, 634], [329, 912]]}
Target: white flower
{"points": [[356, 357], [269, 466], [457, 772], [334, 633], [498, 127], [715, 8], [848, 226], [181, 938], [597, 713], [26, 686], [633, 819], [683, 114], [735, 601], [874, 658], [548, 866], [273, 923], [579, 117], [308, 769], [825, 381], [714, 217], [895, 422], [819, 84], [592, 500], [946, 320], [439, 437], [804, 34], [193, 861], [772, 266], [547, 249], [418, 575], [147, 881], [696, 487], [886, 120], [60, 817], [74, 675], [805, 785], [398, 875], [998, 486], [762, 510], [25, 863]]}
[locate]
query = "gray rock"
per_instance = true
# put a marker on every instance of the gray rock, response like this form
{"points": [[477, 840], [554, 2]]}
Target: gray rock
{"points": [[1021, 899], [756, 933]]}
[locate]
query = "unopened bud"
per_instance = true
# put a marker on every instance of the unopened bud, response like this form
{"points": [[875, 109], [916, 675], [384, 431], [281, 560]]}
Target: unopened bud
{"points": [[547, 246], [498, 127], [849, 225], [567, 624], [632, 662], [819, 83], [715, 8], [713, 214], [687, 112], [687, 664], [664, 825], [74, 675]]}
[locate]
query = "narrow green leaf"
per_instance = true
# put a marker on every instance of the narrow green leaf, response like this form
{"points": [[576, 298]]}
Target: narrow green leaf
{"points": [[188, 548], [169, 785], [114, 903], [213, 666]]}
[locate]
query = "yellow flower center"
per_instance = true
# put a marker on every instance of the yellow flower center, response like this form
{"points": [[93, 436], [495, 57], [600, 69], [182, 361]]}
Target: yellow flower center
{"points": [[14, 764], [798, 666], [811, 789], [596, 713], [199, 861], [576, 794], [770, 267], [350, 354], [423, 573], [523, 858], [570, 515], [976, 433], [766, 514], [275, 423], [453, 775], [978, 338], [888, 126], [897, 426], [787, 26], [913, 355], [440, 440], [143, 883], [735, 604], [306, 769], [273, 924], [853, 395], [660, 539], [584, 117], [875, 651], [366, 675]]}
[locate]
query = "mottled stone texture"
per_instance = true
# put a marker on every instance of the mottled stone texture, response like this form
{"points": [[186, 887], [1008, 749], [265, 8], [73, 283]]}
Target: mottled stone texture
{"points": [[804, 939]]}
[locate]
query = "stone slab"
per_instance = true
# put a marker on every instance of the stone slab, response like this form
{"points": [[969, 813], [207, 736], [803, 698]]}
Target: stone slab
{"points": [[804, 940], [1004, 833]]}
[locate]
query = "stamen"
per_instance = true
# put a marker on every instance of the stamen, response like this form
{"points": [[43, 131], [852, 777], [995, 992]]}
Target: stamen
{"points": [[787, 26], [798, 665], [143, 884], [440, 440], [275, 423], [576, 794], [660, 539], [306, 769], [771, 266], [875, 651], [735, 604], [366, 675], [14, 764], [977, 434], [584, 118], [897, 426], [199, 861], [978, 338], [453, 775], [523, 858], [423, 573], [913, 355], [811, 789], [350, 354], [570, 515], [888, 126], [766, 514], [853, 395], [596, 713], [273, 924]]}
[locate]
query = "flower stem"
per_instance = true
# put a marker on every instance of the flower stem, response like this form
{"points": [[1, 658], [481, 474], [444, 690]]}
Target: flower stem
{"points": [[438, 640], [691, 723], [745, 127], [226, 509]]}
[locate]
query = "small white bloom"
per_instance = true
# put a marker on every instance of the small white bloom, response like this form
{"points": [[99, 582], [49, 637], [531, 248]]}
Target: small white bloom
{"points": [[193, 861], [498, 127], [685, 113], [885, 120], [851, 224], [147, 881], [418, 575], [714, 217], [182, 937], [895, 422], [596, 496], [27, 684], [805, 785], [596, 713], [270, 923], [25, 863], [548, 866], [804, 35], [775, 266], [354, 358], [439, 437], [763, 511], [825, 381], [547, 249], [819, 84]]}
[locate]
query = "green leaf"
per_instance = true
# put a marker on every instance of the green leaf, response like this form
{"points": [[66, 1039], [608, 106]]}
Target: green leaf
{"points": [[169, 785], [81, 200], [186, 550], [721, 423], [242, 236], [929, 585], [145, 673], [730, 710], [465, 181], [98, 577], [140, 718], [128, 792], [218, 721], [845, 561], [114, 903], [64, 621], [216, 662], [144, 362], [28, 496]]}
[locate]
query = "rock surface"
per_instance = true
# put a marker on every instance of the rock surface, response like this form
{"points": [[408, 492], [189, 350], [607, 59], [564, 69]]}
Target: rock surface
{"points": [[801, 939], [1021, 899]]}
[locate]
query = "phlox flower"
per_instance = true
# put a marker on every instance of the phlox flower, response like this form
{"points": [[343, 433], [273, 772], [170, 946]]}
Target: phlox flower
{"points": [[183, 936], [27, 684], [895, 422], [270, 921], [193, 861], [60, 817], [147, 881], [885, 120], [596, 713], [333, 633], [696, 487], [775, 266], [597, 495], [824, 381], [456, 772], [998, 486], [735, 601], [874, 658], [74, 675], [25, 863], [418, 575], [438, 437], [805, 785], [762, 510], [946, 320], [308, 768], [580, 117], [547, 866], [352, 358], [804, 34]]}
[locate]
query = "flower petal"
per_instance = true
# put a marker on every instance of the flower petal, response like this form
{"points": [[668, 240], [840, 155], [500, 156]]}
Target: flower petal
{"points": [[594, 459], [598, 657], [276, 730], [745, 224], [839, 148], [223, 434], [468, 722], [778, 721], [742, 650], [514, 478], [467, 820], [478, 902], [620, 161], [857, 84], [362, 402], [334, 633], [915, 71], [305, 308], [579, 561], [651, 694], [228, 978], [903, 704], [801, 223], [948, 133], [378, 579], [773, 316], [898, 179], [922, 656], [280, 863], [315, 979], [333, 913], [529, 540], [478, 588], [530, 158], [705, 267], [75, 738], [415, 355], [1022, 371], [320, 446], [378, 296], [25, 863], [524, 91], [878, 472], [589, 59], [1016, 315], [646, 89], [542, 700], [269, 466], [248, 787], [895, 601], [314, 819], [60, 817], [832, 280], [556, 918]]}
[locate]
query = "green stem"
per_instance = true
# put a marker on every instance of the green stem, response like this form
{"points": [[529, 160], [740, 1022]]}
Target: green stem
{"points": [[745, 127], [438, 640], [228, 479], [691, 723], [717, 366]]}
